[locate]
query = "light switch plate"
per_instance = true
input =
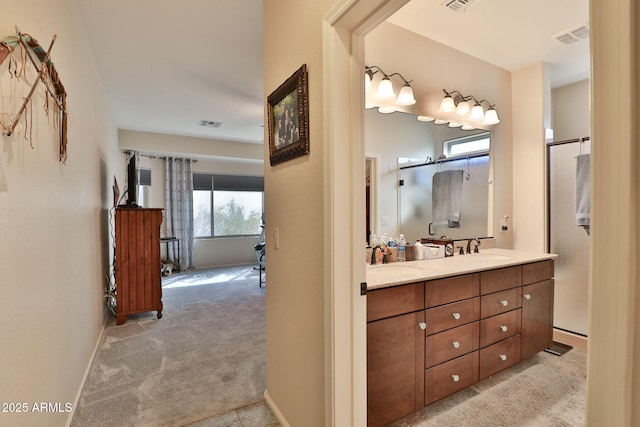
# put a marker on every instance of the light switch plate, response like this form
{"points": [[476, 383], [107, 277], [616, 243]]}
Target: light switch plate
{"points": [[276, 238]]}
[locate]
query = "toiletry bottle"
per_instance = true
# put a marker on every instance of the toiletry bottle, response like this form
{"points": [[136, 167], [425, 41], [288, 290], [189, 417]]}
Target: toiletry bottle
{"points": [[402, 246], [418, 251]]}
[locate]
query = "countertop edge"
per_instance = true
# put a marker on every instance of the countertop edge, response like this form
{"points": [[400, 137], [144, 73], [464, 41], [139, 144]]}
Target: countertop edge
{"points": [[453, 266]]}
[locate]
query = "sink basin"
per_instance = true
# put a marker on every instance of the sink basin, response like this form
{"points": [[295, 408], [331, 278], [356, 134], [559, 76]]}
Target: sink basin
{"points": [[394, 269], [492, 256]]}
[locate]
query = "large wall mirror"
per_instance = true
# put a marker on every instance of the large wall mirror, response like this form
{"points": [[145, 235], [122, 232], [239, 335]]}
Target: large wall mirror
{"points": [[407, 154]]}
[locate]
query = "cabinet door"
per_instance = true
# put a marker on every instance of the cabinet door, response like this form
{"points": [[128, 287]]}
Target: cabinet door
{"points": [[537, 317], [395, 368]]}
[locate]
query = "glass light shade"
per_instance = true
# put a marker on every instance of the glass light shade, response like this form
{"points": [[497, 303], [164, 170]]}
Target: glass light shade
{"points": [[440, 122], [405, 97], [367, 82], [425, 118], [477, 112], [454, 125], [368, 104], [463, 108], [467, 127], [386, 109], [385, 89], [491, 117], [447, 105]]}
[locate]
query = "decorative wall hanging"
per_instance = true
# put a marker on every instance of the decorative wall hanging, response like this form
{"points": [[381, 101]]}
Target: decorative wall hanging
{"points": [[55, 95], [288, 115]]}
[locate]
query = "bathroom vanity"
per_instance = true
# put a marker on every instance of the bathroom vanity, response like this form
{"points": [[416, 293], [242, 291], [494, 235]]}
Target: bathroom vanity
{"points": [[438, 326]]}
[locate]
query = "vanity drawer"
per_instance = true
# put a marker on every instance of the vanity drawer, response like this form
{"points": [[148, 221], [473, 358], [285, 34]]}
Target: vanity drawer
{"points": [[500, 279], [452, 315], [537, 271], [451, 344], [499, 356], [497, 328], [444, 291], [449, 377], [394, 301], [499, 302]]}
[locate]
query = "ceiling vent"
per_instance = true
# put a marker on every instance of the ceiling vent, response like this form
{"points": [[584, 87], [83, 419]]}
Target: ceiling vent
{"points": [[210, 124], [573, 34], [458, 5]]}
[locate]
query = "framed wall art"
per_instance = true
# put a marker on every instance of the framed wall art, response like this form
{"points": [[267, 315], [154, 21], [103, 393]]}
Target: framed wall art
{"points": [[288, 116]]}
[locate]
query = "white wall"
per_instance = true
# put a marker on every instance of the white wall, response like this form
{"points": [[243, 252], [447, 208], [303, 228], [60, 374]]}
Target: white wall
{"points": [[55, 244], [571, 115]]}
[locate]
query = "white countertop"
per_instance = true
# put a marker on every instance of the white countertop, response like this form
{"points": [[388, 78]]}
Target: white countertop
{"points": [[398, 273]]}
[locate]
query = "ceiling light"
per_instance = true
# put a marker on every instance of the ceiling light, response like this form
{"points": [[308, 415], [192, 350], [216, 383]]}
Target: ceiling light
{"points": [[384, 91], [456, 101], [425, 118]]}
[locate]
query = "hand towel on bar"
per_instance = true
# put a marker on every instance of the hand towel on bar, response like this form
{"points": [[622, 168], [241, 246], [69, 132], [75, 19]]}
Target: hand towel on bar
{"points": [[582, 197], [446, 195]]}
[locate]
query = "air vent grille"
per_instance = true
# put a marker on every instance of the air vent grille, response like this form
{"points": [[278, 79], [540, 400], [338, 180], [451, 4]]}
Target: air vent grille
{"points": [[458, 5], [573, 34], [210, 124]]}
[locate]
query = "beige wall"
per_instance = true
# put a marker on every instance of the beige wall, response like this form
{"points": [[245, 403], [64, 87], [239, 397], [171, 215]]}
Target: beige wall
{"points": [[531, 107], [294, 205], [55, 245]]}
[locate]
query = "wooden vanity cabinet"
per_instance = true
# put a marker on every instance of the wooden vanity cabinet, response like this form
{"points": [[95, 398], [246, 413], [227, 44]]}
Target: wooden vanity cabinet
{"points": [[431, 339], [395, 352], [537, 307]]}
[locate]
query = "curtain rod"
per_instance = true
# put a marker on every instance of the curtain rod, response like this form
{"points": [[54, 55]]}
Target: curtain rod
{"points": [[156, 157], [452, 159]]}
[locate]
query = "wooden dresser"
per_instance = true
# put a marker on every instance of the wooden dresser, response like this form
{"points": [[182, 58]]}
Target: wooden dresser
{"points": [[137, 264], [429, 339]]}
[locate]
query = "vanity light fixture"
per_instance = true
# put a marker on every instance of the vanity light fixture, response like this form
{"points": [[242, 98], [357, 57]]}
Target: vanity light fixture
{"points": [[385, 97], [455, 101]]}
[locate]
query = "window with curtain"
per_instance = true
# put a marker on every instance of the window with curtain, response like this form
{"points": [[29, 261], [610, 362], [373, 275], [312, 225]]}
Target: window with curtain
{"points": [[227, 205]]}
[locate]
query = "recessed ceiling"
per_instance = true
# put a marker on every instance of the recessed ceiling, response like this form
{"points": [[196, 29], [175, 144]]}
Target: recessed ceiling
{"points": [[510, 34]]}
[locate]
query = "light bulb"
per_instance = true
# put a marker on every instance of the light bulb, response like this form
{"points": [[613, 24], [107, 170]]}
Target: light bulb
{"points": [[447, 105], [385, 89], [477, 112], [463, 108], [491, 117], [405, 97]]}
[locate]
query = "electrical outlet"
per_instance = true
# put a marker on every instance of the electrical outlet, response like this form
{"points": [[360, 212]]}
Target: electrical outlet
{"points": [[276, 238]]}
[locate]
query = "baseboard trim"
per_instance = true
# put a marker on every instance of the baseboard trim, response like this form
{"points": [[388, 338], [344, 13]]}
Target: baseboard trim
{"points": [[88, 368], [574, 340], [276, 411]]}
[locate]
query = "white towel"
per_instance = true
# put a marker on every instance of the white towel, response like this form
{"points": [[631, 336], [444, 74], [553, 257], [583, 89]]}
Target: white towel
{"points": [[446, 198], [582, 197]]}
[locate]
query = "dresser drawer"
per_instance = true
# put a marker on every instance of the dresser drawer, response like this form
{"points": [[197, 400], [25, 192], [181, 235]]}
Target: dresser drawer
{"points": [[393, 301], [444, 291], [452, 315], [449, 377], [500, 279], [537, 271], [499, 356], [500, 302], [451, 344], [502, 326]]}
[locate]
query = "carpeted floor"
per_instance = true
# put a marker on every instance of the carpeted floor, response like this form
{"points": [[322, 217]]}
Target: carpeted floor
{"points": [[202, 364]]}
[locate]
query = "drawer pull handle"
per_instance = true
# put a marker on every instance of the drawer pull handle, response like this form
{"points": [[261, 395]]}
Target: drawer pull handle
{"points": [[456, 316], [503, 357], [504, 302], [455, 378], [422, 325], [527, 296], [504, 328], [456, 344]]}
